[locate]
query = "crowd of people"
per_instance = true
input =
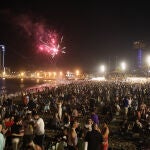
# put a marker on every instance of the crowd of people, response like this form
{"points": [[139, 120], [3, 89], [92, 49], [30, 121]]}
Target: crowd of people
{"points": [[79, 113]]}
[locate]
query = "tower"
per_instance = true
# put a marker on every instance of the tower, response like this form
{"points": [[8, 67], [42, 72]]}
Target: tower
{"points": [[139, 46], [2, 54]]}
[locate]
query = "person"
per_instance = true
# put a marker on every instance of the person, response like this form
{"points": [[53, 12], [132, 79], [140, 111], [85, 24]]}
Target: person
{"points": [[39, 130], [126, 106], [46, 105], [135, 104], [53, 122], [66, 119], [81, 143], [105, 133], [7, 123], [143, 107], [17, 132], [72, 136], [94, 138], [2, 139], [59, 108], [75, 113], [25, 100], [94, 117], [88, 125], [28, 124], [30, 145]]}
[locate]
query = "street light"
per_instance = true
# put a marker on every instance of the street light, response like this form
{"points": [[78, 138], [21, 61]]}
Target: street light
{"points": [[77, 72], [102, 68], [123, 66], [148, 61], [3, 50]]}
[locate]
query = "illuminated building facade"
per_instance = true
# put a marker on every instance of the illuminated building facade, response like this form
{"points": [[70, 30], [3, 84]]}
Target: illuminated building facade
{"points": [[0, 60], [139, 46]]}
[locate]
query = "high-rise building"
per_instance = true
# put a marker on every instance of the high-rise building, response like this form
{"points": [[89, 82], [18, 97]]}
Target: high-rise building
{"points": [[139, 46], [0, 59]]}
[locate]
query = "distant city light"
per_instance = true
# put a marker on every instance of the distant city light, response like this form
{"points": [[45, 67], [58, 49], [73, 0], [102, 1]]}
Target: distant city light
{"points": [[22, 74], [37, 81], [38, 74], [54, 73], [4, 73], [49, 73], [60, 73], [68, 73], [77, 72]]}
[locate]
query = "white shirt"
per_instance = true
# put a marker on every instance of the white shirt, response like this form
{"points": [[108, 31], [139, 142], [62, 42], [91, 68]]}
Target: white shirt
{"points": [[2, 141], [39, 130]]}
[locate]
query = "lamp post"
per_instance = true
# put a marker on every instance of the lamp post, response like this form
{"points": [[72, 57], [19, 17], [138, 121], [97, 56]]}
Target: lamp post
{"points": [[102, 69], [77, 74], [123, 68], [3, 65]]}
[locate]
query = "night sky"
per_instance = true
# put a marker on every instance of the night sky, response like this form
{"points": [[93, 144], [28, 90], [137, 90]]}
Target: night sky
{"points": [[94, 32]]}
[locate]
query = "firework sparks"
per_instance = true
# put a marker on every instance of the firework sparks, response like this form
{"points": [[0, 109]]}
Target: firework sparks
{"points": [[50, 43], [45, 40]]}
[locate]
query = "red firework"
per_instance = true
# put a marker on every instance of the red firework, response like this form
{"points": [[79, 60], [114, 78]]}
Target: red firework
{"points": [[50, 43]]}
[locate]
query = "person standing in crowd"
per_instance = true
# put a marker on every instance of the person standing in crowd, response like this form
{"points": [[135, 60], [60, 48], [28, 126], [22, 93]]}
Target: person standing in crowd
{"points": [[39, 130], [7, 123], [88, 125], [126, 106], [105, 134], [130, 100], [94, 138], [135, 103], [9, 105], [46, 105], [2, 139], [94, 117], [25, 100], [66, 119], [28, 124], [59, 108], [17, 132], [72, 136], [75, 113], [30, 145], [143, 107]]}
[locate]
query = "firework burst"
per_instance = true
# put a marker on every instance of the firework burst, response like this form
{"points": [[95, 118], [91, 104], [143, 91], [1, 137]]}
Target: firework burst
{"points": [[50, 43], [45, 40]]}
